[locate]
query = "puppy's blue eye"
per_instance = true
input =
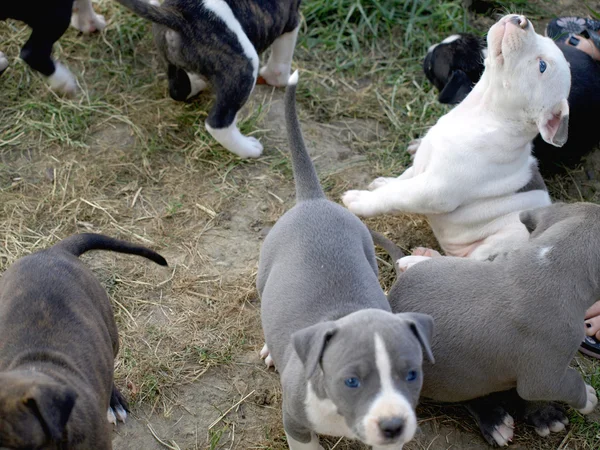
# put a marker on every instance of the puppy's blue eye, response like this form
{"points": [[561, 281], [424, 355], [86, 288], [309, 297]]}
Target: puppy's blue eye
{"points": [[352, 382], [412, 375], [543, 66]]}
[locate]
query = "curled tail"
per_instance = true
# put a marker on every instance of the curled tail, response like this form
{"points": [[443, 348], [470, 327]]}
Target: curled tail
{"points": [[78, 244], [393, 250], [157, 14], [307, 181]]}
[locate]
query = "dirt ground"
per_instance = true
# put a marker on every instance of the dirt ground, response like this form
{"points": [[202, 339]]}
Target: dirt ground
{"points": [[191, 332]]}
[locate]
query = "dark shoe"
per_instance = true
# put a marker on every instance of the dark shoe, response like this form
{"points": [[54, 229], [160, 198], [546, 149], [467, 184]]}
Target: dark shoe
{"points": [[591, 347]]}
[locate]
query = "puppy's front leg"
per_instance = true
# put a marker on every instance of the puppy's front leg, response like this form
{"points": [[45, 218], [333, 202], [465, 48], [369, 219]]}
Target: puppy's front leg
{"points": [[85, 19], [298, 436], [278, 68], [418, 195]]}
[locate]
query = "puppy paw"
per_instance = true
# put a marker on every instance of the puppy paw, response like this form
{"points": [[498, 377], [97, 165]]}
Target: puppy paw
{"points": [[250, 147], [233, 140], [403, 264], [592, 400], [378, 182], [111, 417], [413, 146], [63, 81], [275, 74], [503, 433], [118, 408], [546, 418], [264, 354], [3, 62], [87, 23], [361, 203]]}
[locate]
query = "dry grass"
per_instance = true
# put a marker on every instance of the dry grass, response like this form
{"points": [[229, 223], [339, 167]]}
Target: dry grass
{"points": [[125, 160]]}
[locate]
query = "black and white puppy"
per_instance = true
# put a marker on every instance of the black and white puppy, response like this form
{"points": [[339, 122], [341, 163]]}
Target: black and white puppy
{"points": [[218, 42], [454, 65], [49, 19]]}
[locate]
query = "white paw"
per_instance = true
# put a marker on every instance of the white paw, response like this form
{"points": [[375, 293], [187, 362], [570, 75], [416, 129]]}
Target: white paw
{"points": [[264, 354], [403, 264], [87, 23], [378, 182], [3, 62], [275, 74], [233, 140], [62, 80], [413, 146], [555, 427], [361, 203], [110, 416], [592, 400], [503, 433]]}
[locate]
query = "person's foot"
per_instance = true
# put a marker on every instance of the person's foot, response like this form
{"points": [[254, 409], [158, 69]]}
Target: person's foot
{"points": [[585, 45]]}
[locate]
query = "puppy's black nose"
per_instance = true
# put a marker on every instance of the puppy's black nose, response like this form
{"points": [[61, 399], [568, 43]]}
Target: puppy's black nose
{"points": [[391, 427]]}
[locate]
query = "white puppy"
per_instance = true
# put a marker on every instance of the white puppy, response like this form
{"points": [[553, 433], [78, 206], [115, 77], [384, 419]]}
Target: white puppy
{"points": [[473, 171]]}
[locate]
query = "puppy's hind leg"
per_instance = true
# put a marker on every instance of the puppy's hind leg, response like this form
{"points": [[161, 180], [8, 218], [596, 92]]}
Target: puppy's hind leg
{"points": [[232, 92], [278, 68], [85, 19], [37, 53]]}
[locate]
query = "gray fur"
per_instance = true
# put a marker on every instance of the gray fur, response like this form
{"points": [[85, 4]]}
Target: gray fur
{"points": [[322, 304], [536, 182], [488, 314]]}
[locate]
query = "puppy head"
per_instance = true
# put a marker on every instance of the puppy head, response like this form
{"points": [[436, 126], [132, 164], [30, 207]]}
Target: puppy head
{"points": [[530, 77], [34, 410], [369, 366], [454, 66]]}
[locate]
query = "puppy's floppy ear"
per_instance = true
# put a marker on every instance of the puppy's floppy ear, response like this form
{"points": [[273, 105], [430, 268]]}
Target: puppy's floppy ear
{"points": [[421, 326], [310, 343], [530, 219], [457, 88], [52, 403], [554, 125]]}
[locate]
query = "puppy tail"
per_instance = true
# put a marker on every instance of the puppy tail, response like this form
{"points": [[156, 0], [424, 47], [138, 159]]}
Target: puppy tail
{"points": [[392, 249], [307, 181], [78, 244], [153, 12]]}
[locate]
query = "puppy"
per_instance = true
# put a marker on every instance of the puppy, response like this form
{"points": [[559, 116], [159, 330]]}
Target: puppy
{"points": [[456, 64], [473, 171], [349, 367], [488, 315], [48, 21], [218, 42], [59, 341]]}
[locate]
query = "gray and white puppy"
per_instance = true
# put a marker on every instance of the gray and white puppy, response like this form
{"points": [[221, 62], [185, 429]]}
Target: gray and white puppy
{"points": [[218, 42], [349, 367], [488, 314]]}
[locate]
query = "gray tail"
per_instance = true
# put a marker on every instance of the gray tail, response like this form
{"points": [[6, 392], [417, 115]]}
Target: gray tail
{"points": [[393, 250], [307, 181], [78, 244], [157, 14]]}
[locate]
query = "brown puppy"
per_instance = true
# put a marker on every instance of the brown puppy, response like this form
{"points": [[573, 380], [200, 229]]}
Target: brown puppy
{"points": [[59, 341]]}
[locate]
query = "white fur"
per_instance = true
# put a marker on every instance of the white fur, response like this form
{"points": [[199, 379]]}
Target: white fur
{"points": [[484, 53], [296, 445], [543, 252], [198, 84], [222, 10], [323, 415], [233, 140], [504, 432], [432, 48], [62, 80], [450, 39], [592, 400], [389, 403], [110, 416], [408, 261], [3, 62], [469, 165], [279, 65], [85, 19], [264, 354]]}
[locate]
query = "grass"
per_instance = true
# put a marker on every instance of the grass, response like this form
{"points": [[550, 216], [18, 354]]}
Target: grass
{"points": [[125, 160]]}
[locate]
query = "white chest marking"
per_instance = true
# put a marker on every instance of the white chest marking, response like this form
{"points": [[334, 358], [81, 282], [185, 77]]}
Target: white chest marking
{"points": [[222, 10], [323, 415]]}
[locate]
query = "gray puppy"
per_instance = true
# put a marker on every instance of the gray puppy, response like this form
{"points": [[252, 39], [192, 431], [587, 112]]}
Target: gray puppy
{"points": [[218, 42], [514, 322], [349, 367]]}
